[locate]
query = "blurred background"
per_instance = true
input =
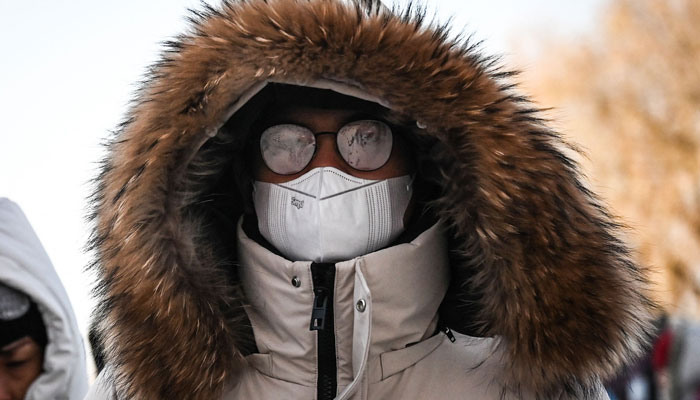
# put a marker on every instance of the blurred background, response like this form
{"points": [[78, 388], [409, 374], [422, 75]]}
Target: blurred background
{"points": [[628, 92], [622, 78]]}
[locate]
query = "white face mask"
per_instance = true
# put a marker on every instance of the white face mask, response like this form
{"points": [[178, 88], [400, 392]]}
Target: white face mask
{"points": [[326, 215]]}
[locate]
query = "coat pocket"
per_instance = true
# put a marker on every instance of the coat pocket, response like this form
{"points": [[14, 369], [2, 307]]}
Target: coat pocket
{"points": [[393, 362]]}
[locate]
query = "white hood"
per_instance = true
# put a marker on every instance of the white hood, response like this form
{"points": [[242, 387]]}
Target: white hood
{"points": [[24, 265]]}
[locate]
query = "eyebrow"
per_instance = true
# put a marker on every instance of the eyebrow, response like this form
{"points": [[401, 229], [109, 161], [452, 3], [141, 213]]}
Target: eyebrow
{"points": [[14, 345], [355, 116], [359, 115]]}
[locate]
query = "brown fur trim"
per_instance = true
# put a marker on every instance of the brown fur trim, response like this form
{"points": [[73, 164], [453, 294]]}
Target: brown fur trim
{"points": [[539, 252]]}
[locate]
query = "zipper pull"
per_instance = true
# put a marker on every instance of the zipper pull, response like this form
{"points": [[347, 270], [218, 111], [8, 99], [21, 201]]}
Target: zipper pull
{"points": [[449, 334], [318, 315]]}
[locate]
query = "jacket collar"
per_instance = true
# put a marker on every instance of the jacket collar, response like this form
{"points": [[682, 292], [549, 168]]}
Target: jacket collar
{"points": [[387, 281]]}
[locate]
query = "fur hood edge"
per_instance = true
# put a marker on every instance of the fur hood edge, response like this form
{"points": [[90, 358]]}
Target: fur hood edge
{"points": [[535, 250]]}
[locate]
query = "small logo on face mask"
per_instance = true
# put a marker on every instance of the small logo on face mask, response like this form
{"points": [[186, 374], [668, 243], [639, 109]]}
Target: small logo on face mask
{"points": [[297, 203]]}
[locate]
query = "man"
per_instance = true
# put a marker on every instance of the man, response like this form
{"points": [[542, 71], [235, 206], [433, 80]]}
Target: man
{"points": [[323, 199], [41, 351]]}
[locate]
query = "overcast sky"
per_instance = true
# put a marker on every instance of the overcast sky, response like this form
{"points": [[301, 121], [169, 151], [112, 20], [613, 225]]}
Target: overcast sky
{"points": [[68, 68]]}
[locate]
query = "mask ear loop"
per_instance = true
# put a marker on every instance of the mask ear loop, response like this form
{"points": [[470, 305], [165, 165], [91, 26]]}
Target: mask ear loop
{"points": [[409, 185]]}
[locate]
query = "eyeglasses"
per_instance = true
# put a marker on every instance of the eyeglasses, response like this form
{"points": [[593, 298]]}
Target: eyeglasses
{"points": [[365, 145]]}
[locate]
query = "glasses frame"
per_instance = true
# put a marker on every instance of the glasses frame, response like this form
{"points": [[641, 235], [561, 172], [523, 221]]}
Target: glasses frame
{"points": [[390, 129]]}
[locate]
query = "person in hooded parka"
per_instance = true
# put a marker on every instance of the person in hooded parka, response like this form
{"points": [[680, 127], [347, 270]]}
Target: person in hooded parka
{"points": [[41, 350], [332, 200]]}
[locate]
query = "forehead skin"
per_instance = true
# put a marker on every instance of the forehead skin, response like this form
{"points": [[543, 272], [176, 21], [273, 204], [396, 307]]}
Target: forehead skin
{"points": [[330, 120], [20, 364]]}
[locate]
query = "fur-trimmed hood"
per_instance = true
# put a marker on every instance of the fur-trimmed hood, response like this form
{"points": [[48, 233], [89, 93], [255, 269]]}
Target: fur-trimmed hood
{"points": [[536, 259]]}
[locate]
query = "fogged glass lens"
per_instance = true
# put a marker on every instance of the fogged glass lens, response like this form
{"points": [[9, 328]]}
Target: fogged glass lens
{"points": [[365, 145], [287, 149]]}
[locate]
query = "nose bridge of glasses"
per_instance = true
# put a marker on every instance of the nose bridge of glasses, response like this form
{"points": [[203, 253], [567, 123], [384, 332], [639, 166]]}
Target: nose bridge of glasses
{"points": [[327, 154]]}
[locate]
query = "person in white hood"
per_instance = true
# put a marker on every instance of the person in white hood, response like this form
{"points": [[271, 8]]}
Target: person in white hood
{"points": [[41, 351]]}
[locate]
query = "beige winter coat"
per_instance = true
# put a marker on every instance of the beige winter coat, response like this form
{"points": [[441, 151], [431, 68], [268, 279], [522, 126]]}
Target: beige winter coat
{"points": [[536, 265], [386, 329]]}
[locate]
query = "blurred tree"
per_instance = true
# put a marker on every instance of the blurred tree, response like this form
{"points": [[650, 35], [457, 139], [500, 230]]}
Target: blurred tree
{"points": [[630, 95]]}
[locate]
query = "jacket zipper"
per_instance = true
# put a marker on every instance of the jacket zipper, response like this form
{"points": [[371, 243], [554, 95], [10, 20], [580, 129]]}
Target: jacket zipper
{"points": [[448, 332], [323, 276]]}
